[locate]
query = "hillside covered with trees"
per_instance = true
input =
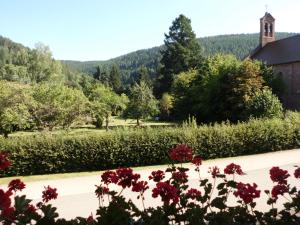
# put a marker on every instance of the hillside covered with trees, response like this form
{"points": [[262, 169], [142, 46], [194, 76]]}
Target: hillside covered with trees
{"points": [[239, 45]]}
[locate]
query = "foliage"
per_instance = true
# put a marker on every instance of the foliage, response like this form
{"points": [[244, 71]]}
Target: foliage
{"points": [[15, 104], [62, 153], [142, 103], [233, 203], [264, 104], [57, 105], [105, 102], [166, 105], [181, 53], [115, 78]]}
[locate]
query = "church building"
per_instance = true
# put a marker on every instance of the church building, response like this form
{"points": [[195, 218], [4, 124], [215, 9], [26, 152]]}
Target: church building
{"points": [[284, 56]]}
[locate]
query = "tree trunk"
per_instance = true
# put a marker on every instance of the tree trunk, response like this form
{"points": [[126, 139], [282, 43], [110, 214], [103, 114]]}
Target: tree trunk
{"points": [[106, 122], [138, 122], [5, 135]]}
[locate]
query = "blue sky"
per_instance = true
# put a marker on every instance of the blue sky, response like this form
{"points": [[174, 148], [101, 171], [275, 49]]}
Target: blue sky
{"points": [[103, 29]]}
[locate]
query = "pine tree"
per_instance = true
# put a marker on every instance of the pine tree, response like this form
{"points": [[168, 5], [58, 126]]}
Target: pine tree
{"points": [[115, 78], [181, 53]]}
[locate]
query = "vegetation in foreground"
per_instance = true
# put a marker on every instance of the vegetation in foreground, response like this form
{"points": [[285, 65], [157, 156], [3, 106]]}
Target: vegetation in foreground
{"points": [[126, 147], [210, 202]]}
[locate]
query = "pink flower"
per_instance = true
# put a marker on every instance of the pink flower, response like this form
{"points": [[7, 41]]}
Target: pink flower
{"points": [[109, 177], [16, 185], [49, 194], [233, 169], [140, 186], [247, 192], [157, 176], [181, 153], [193, 193], [197, 161], [279, 175], [279, 189], [214, 171], [4, 162], [167, 192], [126, 177]]}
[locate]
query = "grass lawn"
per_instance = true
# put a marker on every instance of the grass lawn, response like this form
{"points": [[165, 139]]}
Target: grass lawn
{"points": [[114, 123]]}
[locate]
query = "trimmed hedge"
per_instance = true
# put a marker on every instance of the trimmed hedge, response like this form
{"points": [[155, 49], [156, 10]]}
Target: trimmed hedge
{"points": [[45, 154]]}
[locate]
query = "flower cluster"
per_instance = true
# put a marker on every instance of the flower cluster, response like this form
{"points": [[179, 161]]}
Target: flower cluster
{"points": [[247, 192], [197, 161], [214, 171], [4, 161], [49, 193], [167, 192], [181, 153], [157, 176], [279, 189], [279, 175], [140, 186], [109, 177], [297, 173], [16, 185], [100, 191], [193, 193], [126, 177], [180, 177], [233, 169]]}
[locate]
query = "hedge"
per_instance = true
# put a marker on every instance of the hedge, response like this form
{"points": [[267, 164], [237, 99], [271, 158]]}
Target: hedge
{"points": [[44, 154]]}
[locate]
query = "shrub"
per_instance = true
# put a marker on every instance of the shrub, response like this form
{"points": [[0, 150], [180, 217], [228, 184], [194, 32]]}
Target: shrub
{"points": [[264, 104], [44, 154]]}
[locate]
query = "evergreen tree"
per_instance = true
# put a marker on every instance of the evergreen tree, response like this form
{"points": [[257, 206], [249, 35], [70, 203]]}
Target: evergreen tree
{"points": [[115, 78], [143, 76], [181, 53], [97, 74]]}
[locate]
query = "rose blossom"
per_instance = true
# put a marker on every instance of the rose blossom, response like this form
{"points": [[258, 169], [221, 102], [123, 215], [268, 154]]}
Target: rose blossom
{"points": [[181, 153]]}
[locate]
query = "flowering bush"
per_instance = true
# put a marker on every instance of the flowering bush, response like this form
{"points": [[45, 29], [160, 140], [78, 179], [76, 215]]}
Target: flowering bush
{"points": [[208, 203]]}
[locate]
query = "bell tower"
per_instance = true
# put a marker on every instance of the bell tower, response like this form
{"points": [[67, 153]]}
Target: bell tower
{"points": [[267, 29]]}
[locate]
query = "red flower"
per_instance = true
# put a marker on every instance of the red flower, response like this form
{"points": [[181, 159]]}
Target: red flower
{"points": [[197, 161], [157, 176], [166, 191], [9, 214], [31, 209], [181, 153], [49, 194], [233, 169], [90, 219], [215, 171], [100, 191], [5, 201], [297, 173], [180, 177], [279, 175], [126, 177], [279, 189], [193, 193], [4, 162], [110, 177], [140, 186], [247, 192], [16, 185]]}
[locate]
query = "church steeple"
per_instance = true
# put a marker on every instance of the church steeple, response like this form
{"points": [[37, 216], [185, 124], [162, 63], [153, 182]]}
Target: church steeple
{"points": [[267, 29]]}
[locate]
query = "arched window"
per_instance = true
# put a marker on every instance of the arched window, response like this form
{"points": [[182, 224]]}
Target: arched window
{"points": [[271, 30], [266, 29]]}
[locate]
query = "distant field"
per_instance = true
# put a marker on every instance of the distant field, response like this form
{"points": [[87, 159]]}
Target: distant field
{"points": [[115, 122]]}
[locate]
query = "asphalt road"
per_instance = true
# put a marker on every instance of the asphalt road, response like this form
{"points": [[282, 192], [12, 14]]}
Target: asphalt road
{"points": [[77, 198]]}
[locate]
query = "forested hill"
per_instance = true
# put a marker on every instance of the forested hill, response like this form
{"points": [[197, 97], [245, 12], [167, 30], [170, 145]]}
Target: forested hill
{"points": [[239, 45]]}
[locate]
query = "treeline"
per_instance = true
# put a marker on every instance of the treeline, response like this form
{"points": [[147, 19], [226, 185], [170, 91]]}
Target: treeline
{"points": [[239, 45]]}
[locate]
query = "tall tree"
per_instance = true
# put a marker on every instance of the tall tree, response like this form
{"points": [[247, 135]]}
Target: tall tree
{"points": [[142, 103], [143, 75], [115, 78], [181, 53], [97, 74]]}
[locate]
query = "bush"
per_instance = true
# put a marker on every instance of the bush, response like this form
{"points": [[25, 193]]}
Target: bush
{"points": [[44, 154], [264, 104]]}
